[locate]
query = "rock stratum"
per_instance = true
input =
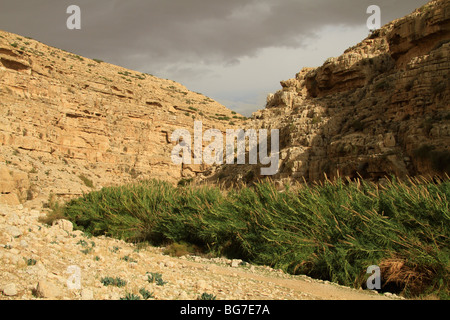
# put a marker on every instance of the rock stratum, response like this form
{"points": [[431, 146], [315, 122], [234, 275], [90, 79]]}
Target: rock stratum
{"points": [[69, 124], [380, 109]]}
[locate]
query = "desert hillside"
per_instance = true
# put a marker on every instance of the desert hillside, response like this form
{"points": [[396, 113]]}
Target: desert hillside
{"points": [[70, 124]]}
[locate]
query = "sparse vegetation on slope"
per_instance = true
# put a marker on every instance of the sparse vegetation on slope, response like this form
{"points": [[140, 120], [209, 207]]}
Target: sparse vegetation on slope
{"points": [[332, 231]]}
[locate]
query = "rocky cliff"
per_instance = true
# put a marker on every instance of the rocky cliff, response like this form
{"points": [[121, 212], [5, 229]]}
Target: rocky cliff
{"points": [[381, 108], [71, 124]]}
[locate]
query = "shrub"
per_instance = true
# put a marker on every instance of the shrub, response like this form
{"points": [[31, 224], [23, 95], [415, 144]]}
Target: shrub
{"points": [[131, 296], [146, 294], [330, 231], [109, 281], [128, 259], [206, 296], [31, 262], [156, 278], [56, 211]]}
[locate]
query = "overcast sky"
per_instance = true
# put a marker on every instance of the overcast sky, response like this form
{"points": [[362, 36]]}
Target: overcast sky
{"points": [[234, 51]]}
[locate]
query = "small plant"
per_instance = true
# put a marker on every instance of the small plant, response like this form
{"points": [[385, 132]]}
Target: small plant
{"points": [[87, 250], [31, 262], [56, 212], [156, 278], [109, 281], [128, 259], [131, 296], [87, 182], [83, 243], [114, 249], [15, 45], [78, 57], [146, 294], [206, 296], [98, 60]]}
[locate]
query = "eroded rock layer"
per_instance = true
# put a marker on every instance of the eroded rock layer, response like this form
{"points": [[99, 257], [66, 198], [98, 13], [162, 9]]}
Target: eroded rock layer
{"points": [[380, 109], [73, 124]]}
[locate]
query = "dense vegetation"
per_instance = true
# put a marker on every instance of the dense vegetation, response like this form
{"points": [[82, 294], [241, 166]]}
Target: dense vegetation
{"points": [[331, 231]]}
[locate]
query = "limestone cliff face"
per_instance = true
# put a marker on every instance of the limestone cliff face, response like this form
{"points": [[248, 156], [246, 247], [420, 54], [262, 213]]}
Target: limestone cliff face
{"points": [[381, 108], [68, 121]]}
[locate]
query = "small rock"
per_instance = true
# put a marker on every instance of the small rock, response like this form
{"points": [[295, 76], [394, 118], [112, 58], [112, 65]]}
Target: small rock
{"points": [[13, 231], [46, 289], [65, 225], [77, 233], [201, 285], [10, 290], [235, 263]]}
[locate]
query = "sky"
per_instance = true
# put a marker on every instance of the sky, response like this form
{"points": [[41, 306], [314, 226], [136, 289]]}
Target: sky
{"points": [[234, 51]]}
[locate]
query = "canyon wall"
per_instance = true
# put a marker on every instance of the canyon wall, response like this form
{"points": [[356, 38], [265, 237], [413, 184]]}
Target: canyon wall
{"points": [[379, 109], [73, 124]]}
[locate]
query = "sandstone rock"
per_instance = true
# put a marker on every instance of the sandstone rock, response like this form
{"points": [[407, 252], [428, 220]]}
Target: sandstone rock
{"points": [[63, 225], [6, 182], [10, 290], [9, 199], [48, 290], [235, 263], [13, 231]]}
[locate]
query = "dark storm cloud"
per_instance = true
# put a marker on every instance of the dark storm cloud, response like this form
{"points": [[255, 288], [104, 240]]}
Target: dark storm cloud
{"points": [[159, 33]]}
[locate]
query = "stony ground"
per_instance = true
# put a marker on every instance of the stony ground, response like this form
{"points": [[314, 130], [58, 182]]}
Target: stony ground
{"points": [[38, 261]]}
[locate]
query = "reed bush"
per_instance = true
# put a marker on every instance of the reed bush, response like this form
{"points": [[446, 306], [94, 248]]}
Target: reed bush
{"points": [[331, 231]]}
